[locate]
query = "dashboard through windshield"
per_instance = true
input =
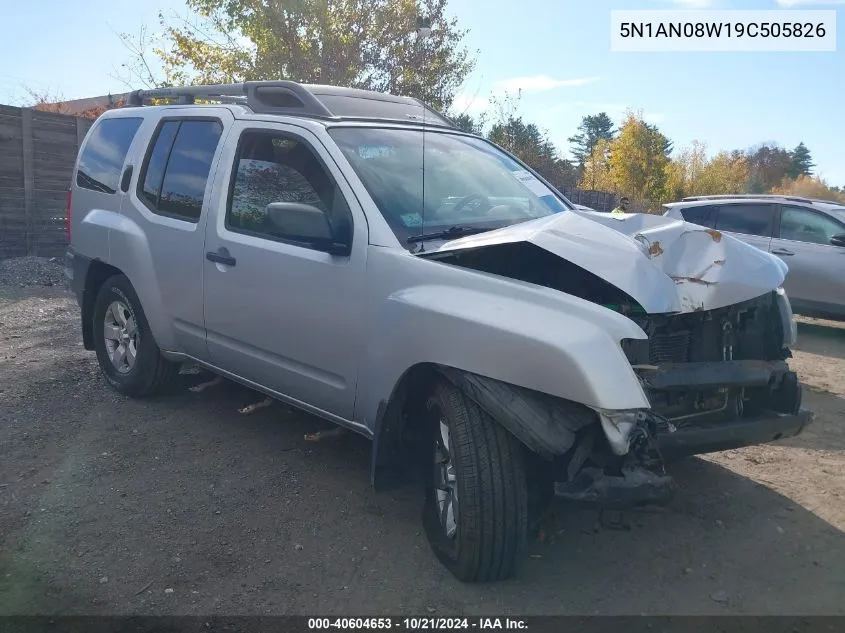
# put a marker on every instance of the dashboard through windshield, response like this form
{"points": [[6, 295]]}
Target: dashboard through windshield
{"points": [[427, 182]]}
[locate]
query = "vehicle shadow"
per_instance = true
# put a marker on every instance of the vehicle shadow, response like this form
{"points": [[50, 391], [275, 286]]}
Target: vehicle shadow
{"points": [[726, 544], [697, 555], [823, 338], [826, 432]]}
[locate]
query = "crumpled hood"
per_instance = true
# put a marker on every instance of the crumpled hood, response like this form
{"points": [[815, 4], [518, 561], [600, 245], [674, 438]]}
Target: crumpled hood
{"points": [[666, 265]]}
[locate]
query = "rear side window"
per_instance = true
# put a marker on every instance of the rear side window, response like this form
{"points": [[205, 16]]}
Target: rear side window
{"points": [[748, 219], [704, 216], [102, 159], [174, 177], [157, 162]]}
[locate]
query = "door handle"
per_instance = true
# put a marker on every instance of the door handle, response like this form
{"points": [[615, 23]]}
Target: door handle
{"points": [[221, 258], [782, 251]]}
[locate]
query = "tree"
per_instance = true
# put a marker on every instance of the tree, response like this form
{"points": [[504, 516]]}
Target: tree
{"points": [[638, 160], [684, 170], [802, 162], [596, 172], [527, 142], [592, 129], [47, 102], [725, 173], [809, 187], [530, 145], [468, 123], [693, 173], [666, 145], [768, 166], [371, 44]]}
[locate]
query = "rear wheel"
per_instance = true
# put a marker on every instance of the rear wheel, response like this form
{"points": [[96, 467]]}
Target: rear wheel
{"points": [[476, 509], [129, 357]]}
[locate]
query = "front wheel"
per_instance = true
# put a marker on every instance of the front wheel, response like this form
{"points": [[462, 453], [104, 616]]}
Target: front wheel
{"points": [[128, 355], [476, 510]]}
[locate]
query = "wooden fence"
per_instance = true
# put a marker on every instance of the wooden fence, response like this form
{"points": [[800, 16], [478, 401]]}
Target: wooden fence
{"points": [[598, 200], [37, 154]]}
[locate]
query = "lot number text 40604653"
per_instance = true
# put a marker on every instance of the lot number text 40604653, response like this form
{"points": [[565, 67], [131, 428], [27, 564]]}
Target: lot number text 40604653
{"points": [[419, 624]]}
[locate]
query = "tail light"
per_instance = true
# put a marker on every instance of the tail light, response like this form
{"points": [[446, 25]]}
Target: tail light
{"points": [[67, 215]]}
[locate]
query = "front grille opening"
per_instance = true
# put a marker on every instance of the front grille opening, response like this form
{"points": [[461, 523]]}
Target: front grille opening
{"points": [[670, 348]]}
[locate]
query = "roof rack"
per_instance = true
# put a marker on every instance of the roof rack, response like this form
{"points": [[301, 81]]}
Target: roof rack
{"points": [[756, 196], [834, 203], [305, 100]]}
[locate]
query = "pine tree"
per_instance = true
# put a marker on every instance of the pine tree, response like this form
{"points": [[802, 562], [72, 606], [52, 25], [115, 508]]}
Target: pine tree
{"points": [[802, 162]]}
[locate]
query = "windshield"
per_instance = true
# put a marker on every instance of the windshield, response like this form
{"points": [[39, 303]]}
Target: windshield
{"points": [[839, 213], [444, 182]]}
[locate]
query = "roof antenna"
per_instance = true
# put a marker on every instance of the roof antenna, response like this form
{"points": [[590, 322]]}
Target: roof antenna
{"points": [[423, 31]]}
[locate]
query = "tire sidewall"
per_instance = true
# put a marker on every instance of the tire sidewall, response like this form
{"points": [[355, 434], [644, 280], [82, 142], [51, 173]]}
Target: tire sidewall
{"points": [[446, 549], [118, 288]]}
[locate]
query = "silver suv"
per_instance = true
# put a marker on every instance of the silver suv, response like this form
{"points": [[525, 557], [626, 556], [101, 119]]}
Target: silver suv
{"points": [[809, 235], [355, 255]]}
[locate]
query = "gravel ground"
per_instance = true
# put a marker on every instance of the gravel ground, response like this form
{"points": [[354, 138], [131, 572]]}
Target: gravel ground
{"points": [[32, 271], [181, 505]]}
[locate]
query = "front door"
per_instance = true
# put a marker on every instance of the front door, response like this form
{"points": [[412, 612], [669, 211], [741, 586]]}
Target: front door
{"points": [[279, 313], [816, 275]]}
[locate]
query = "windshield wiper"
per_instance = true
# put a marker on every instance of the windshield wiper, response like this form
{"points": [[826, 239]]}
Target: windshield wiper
{"points": [[451, 232]]}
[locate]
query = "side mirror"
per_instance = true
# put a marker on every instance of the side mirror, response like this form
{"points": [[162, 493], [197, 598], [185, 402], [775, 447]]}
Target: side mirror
{"points": [[306, 223], [838, 240]]}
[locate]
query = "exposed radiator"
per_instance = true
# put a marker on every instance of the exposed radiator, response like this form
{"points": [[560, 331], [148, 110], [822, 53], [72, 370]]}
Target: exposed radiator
{"points": [[670, 348]]}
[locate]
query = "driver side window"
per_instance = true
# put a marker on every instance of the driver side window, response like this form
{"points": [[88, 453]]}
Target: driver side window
{"points": [[275, 167]]}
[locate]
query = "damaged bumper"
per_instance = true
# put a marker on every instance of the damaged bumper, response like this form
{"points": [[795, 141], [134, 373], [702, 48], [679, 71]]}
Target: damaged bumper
{"points": [[617, 458], [767, 427], [635, 484], [645, 440]]}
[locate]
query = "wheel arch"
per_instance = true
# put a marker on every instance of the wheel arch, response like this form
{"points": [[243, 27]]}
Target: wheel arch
{"points": [[97, 274], [546, 425]]}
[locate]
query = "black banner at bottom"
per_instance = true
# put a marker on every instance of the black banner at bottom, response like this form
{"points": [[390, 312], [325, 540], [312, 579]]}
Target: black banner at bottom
{"points": [[534, 624]]}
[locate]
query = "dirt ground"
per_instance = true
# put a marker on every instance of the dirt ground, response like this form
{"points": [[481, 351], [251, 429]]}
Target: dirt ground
{"points": [[181, 505]]}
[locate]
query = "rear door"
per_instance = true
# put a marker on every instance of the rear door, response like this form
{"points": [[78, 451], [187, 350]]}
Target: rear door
{"points": [[752, 222], [816, 267], [170, 200]]}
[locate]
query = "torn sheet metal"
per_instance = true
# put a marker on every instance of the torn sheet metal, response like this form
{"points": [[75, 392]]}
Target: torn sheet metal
{"points": [[666, 265], [545, 424], [631, 488]]}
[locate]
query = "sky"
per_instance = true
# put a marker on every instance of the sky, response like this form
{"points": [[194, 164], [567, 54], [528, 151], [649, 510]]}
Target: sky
{"points": [[556, 51]]}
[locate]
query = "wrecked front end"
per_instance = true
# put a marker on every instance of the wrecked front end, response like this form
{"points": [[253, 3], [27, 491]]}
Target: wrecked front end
{"points": [[713, 366], [715, 379]]}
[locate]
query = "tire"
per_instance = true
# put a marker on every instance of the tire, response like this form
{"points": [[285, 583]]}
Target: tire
{"points": [[487, 539], [149, 373]]}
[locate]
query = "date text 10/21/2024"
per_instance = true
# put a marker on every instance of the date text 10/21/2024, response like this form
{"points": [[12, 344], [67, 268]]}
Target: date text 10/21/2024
{"points": [[418, 624]]}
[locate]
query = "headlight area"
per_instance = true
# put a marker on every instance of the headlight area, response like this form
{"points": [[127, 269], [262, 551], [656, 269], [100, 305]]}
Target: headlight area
{"points": [[787, 320], [715, 379], [630, 473]]}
